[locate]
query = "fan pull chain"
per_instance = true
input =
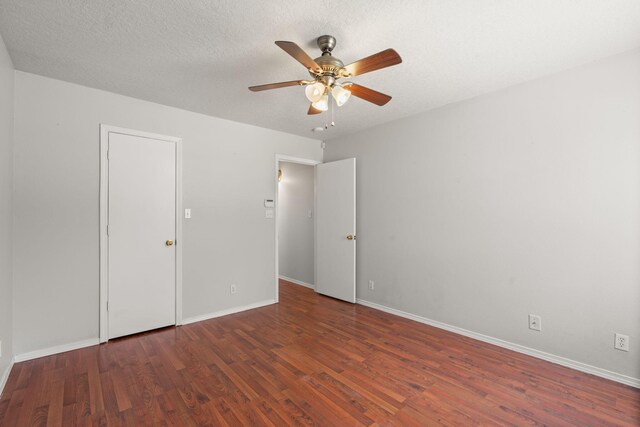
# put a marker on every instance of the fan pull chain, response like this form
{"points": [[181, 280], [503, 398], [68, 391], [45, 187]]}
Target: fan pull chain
{"points": [[333, 123], [332, 108], [326, 124]]}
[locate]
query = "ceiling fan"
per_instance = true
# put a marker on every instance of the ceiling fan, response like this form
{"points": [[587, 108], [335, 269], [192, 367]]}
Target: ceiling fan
{"points": [[326, 70]]}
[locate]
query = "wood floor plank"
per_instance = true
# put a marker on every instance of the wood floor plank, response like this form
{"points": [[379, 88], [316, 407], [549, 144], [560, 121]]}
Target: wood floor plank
{"points": [[307, 361]]}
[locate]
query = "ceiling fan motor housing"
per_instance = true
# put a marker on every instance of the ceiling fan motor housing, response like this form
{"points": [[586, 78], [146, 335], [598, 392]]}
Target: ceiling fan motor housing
{"points": [[326, 44], [330, 65]]}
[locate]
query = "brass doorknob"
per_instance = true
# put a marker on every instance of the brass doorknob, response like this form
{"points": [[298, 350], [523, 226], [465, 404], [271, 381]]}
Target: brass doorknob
{"points": [[351, 237], [169, 243]]}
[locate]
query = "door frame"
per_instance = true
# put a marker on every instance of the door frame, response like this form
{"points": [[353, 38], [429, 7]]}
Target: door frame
{"points": [[301, 161], [105, 130]]}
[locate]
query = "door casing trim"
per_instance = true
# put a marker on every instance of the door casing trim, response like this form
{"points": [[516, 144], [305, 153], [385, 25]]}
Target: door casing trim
{"points": [[105, 130]]}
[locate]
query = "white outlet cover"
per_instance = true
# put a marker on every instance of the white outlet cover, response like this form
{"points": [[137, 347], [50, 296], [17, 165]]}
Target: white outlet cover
{"points": [[621, 342], [371, 285], [535, 322]]}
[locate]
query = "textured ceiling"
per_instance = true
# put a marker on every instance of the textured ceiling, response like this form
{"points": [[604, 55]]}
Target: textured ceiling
{"points": [[201, 55]]}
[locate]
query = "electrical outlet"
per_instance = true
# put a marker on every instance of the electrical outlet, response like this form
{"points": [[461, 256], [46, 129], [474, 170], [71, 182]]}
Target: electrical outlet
{"points": [[233, 289], [371, 285], [621, 342], [187, 213], [535, 322]]}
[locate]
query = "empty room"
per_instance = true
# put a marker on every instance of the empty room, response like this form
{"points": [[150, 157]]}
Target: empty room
{"points": [[360, 213]]}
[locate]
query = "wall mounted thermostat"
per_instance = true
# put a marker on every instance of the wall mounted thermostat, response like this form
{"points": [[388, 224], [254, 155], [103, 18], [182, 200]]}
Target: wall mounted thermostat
{"points": [[268, 203]]}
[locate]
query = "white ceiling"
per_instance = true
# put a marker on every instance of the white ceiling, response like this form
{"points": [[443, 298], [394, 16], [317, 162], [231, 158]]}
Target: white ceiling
{"points": [[201, 55]]}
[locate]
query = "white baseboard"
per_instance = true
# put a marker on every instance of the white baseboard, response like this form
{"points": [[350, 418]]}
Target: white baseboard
{"points": [[579, 366], [298, 282], [227, 311], [5, 376], [96, 341], [57, 349]]}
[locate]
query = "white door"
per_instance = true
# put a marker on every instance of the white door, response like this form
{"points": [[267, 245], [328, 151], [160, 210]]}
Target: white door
{"points": [[141, 234], [336, 229]]}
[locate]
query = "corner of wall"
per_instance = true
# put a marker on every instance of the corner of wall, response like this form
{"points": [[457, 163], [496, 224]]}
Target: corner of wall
{"points": [[7, 119]]}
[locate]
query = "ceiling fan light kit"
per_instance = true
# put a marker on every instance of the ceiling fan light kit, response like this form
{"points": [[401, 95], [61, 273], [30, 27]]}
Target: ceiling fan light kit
{"points": [[340, 94], [326, 70], [322, 104], [314, 91]]}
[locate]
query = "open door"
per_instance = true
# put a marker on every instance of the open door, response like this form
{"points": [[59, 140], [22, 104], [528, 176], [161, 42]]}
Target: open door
{"points": [[336, 229]]}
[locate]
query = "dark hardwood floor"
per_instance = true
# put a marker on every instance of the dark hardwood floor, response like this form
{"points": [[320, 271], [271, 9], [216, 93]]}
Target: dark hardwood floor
{"points": [[309, 360]]}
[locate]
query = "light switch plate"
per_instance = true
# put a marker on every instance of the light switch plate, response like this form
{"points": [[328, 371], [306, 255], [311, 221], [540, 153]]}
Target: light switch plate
{"points": [[187, 213]]}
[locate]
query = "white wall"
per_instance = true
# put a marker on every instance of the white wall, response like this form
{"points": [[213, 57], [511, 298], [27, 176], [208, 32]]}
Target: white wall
{"points": [[522, 201], [6, 201], [228, 169], [295, 227]]}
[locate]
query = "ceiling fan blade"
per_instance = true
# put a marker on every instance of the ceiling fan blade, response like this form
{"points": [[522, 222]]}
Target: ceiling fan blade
{"points": [[299, 55], [313, 110], [383, 59], [276, 85], [367, 94]]}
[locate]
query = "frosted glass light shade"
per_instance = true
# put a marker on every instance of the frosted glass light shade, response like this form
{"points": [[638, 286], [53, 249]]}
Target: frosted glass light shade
{"points": [[322, 104], [340, 94], [314, 91]]}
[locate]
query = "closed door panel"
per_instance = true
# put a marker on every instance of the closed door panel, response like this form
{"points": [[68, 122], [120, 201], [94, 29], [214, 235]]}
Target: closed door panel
{"points": [[336, 229], [141, 230]]}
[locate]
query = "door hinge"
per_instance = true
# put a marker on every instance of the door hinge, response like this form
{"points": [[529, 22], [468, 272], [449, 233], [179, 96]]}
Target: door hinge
{"points": [[107, 229], [107, 305], [108, 154]]}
